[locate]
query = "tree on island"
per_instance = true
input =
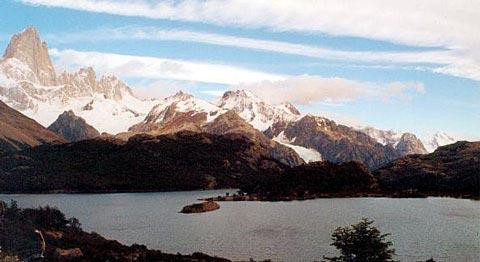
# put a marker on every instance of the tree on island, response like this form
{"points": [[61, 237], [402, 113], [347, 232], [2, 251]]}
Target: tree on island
{"points": [[361, 242]]}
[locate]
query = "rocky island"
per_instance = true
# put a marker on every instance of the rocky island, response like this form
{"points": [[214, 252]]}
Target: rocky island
{"points": [[206, 206]]}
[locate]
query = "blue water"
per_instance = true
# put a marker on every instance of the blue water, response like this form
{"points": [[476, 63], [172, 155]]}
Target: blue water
{"points": [[443, 228]]}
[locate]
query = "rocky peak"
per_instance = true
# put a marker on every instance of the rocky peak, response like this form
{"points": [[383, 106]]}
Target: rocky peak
{"points": [[290, 108], [72, 127], [404, 143], [84, 83], [180, 111], [410, 144], [83, 79], [384, 137], [27, 48], [112, 87], [180, 96], [255, 111]]}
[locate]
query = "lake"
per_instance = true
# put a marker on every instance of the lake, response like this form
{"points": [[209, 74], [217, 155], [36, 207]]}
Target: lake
{"points": [[446, 229]]}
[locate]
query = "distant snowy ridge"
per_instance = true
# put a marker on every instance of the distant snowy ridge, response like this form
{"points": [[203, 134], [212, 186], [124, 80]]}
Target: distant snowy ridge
{"points": [[438, 139]]}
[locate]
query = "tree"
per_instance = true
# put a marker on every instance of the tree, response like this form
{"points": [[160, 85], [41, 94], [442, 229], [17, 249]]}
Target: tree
{"points": [[361, 243]]}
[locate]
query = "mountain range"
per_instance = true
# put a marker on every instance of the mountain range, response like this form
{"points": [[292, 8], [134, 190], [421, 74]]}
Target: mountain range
{"points": [[77, 104]]}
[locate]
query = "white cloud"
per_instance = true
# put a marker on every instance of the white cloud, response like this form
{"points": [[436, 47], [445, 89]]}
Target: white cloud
{"points": [[307, 90], [162, 88], [158, 68], [449, 24], [429, 22], [166, 76], [452, 62]]}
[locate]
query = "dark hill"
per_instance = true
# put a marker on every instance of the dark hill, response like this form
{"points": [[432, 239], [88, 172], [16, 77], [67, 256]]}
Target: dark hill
{"points": [[452, 168], [181, 161]]}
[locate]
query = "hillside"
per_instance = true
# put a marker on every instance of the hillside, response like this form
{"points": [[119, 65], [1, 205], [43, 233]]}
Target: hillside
{"points": [[181, 161], [453, 168], [19, 132]]}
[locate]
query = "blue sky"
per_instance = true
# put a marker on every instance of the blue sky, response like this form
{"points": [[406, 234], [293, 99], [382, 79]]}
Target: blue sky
{"points": [[405, 66]]}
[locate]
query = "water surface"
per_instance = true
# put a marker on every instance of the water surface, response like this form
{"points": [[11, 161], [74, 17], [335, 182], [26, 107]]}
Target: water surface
{"points": [[444, 228]]}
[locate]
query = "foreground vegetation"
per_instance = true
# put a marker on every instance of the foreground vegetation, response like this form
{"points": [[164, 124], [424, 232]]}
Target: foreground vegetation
{"points": [[22, 231]]}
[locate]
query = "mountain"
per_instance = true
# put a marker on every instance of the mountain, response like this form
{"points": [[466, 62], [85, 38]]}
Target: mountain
{"points": [[384, 137], [26, 58], [410, 144], [181, 161], [72, 127], [231, 123], [255, 111], [335, 143], [438, 139], [183, 111], [404, 144], [452, 168], [19, 132], [29, 84]]}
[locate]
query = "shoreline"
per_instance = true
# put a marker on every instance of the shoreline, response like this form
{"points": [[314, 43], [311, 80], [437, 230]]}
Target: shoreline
{"points": [[263, 198], [266, 198]]}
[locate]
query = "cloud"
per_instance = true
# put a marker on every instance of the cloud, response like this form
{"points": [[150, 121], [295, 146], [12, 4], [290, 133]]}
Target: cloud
{"points": [[164, 76], [449, 24], [158, 68], [427, 23], [162, 88], [451, 62], [306, 90]]}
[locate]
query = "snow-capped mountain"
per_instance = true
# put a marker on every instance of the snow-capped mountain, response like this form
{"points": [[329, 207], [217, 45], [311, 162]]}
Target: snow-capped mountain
{"points": [[384, 137], [255, 111], [335, 143], [181, 111], [438, 139], [29, 83], [404, 143]]}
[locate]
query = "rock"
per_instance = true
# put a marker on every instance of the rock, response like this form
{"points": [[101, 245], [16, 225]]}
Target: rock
{"points": [[410, 144], [54, 234], [28, 48], [68, 254], [72, 127], [200, 207]]}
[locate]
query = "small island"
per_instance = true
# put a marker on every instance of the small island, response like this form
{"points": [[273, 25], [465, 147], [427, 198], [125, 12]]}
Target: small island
{"points": [[206, 206]]}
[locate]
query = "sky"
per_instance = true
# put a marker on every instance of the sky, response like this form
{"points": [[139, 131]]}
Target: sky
{"points": [[402, 65]]}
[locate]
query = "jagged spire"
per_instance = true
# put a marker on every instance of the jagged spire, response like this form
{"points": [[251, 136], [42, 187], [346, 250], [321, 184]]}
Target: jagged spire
{"points": [[27, 47]]}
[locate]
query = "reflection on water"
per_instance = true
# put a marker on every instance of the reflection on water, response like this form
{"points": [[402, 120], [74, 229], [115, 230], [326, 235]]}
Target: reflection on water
{"points": [[444, 228]]}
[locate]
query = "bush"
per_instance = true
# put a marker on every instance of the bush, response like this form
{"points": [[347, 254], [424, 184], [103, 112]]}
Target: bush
{"points": [[361, 242]]}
